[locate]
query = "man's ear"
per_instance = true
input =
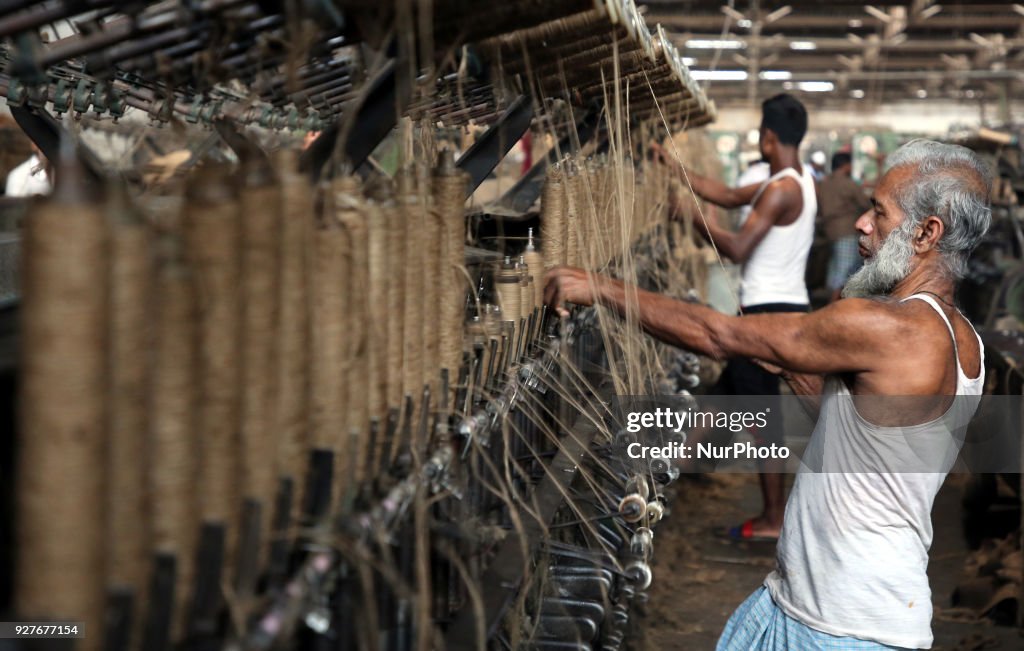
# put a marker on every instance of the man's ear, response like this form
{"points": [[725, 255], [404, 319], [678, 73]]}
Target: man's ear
{"points": [[928, 233]]}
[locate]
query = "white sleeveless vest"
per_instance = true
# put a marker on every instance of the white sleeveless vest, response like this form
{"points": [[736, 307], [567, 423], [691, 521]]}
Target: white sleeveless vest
{"points": [[774, 272], [853, 553]]}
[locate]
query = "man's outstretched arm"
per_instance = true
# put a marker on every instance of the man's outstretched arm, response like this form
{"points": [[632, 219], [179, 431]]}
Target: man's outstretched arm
{"points": [[848, 336], [705, 187], [739, 245]]}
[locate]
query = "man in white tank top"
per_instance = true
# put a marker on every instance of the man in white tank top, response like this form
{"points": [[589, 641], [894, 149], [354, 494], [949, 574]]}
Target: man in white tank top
{"points": [[896, 372], [772, 244]]}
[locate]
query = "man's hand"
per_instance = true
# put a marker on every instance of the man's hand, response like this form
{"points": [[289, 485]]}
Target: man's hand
{"points": [[570, 285]]}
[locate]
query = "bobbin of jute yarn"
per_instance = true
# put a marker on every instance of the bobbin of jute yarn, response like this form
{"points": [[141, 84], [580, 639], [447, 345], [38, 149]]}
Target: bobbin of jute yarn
{"points": [[261, 229], [212, 229], [327, 341], [61, 451], [292, 348], [525, 288], [211, 226], [535, 263], [350, 211], [552, 219], [395, 323], [506, 286], [450, 185], [412, 208], [131, 288]]}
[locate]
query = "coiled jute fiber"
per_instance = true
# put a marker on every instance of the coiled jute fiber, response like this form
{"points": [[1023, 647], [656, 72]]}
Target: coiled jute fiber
{"points": [[350, 207], [412, 209], [393, 218], [327, 343], [131, 287], [449, 202], [173, 443], [552, 226], [59, 571], [261, 240], [211, 223], [379, 266], [293, 353]]}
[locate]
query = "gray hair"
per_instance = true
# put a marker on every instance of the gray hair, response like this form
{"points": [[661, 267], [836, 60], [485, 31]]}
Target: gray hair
{"points": [[952, 183]]}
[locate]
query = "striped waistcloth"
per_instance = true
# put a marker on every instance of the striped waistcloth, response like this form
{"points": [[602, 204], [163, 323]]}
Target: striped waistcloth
{"points": [[759, 625]]}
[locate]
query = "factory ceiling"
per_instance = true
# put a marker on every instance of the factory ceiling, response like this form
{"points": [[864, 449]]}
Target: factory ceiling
{"points": [[843, 53]]}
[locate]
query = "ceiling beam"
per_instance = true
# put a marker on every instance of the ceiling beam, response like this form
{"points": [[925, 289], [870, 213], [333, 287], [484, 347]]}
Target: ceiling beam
{"points": [[840, 22], [837, 44]]}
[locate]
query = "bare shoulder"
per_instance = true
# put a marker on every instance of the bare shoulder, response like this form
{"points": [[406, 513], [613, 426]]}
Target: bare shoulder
{"points": [[781, 199], [785, 187], [876, 321]]}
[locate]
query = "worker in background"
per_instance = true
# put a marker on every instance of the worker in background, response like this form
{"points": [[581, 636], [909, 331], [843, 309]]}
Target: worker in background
{"points": [[30, 178], [818, 161], [840, 202], [772, 245], [852, 559]]}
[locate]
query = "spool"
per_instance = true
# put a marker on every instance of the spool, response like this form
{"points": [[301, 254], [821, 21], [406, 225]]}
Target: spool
{"points": [[525, 288], [292, 353], [174, 445], [328, 337], [211, 223], [60, 569], [261, 241], [535, 265], [655, 512], [395, 324], [349, 207], [449, 201], [131, 286], [553, 218], [506, 286], [632, 508], [412, 352], [574, 215], [212, 232], [378, 265], [431, 243]]}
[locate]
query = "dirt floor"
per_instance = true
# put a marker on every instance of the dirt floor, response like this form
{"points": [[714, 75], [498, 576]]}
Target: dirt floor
{"points": [[699, 579]]}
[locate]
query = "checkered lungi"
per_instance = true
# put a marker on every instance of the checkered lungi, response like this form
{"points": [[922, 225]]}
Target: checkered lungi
{"points": [[759, 625], [844, 262]]}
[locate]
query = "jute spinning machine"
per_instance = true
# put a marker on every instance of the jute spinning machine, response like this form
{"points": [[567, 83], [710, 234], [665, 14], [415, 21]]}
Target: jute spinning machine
{"points": [[273, 400]]}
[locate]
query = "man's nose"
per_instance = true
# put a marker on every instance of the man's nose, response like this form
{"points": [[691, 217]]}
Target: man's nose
{"points": [[864, 224]]}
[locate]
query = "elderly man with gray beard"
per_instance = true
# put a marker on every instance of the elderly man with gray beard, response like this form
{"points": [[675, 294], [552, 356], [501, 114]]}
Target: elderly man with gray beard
{"points": [[896, 373]]}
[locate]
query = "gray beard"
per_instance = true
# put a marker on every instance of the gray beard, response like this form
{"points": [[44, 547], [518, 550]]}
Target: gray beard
{"points": [[891, 264]]}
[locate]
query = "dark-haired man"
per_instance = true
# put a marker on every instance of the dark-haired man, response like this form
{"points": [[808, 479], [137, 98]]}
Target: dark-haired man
{"points": [[840, 202], [772, 244]]}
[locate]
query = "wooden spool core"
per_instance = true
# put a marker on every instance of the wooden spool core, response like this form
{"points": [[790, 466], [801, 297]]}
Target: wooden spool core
{"points": [[535, 265]]}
